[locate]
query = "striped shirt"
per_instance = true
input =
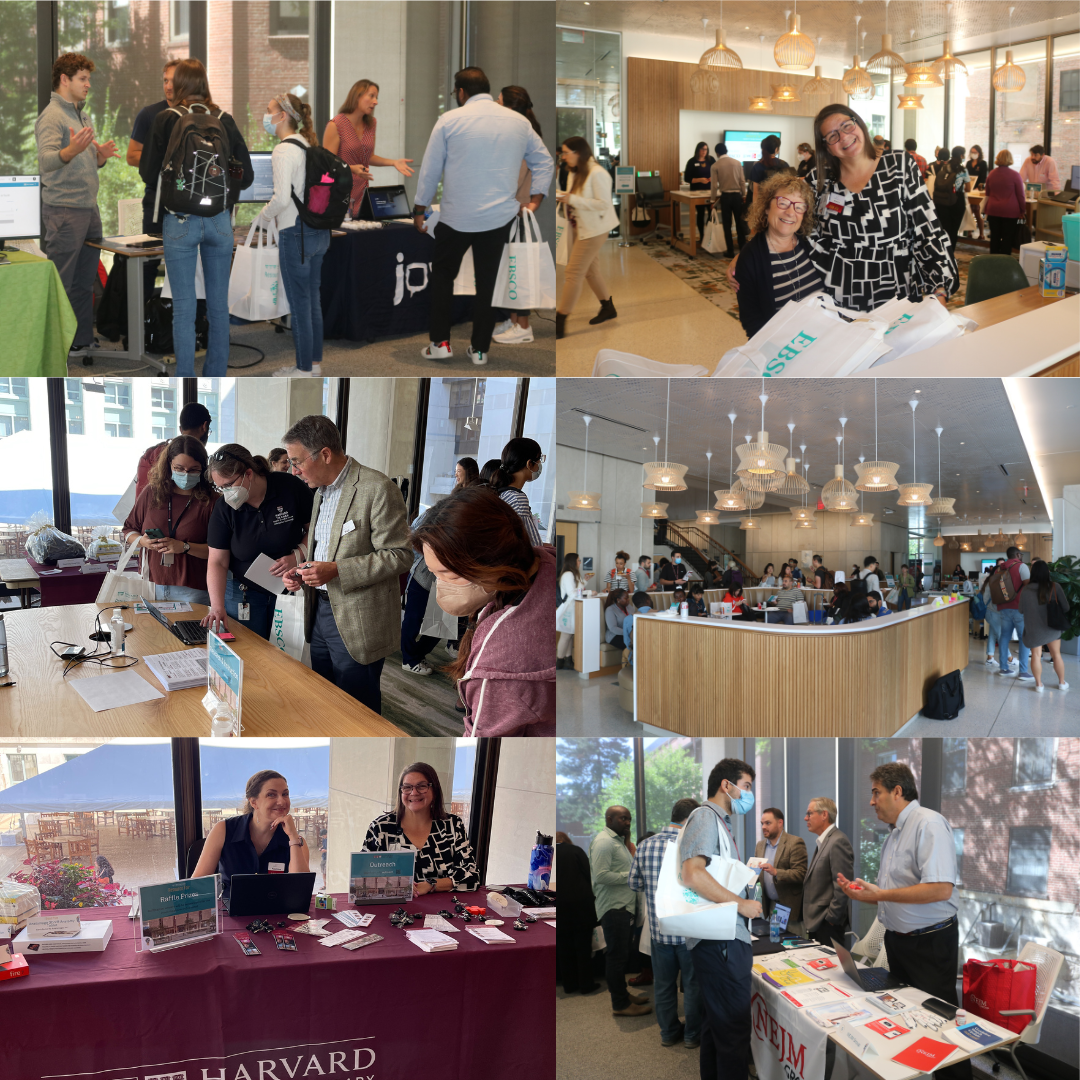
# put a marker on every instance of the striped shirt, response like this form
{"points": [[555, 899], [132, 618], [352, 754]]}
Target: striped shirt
{"points": [[331, 495], [645, 873], [518, 501], [794, 275], [785, 598]]}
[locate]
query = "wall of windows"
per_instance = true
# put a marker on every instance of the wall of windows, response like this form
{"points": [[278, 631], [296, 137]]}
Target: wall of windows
{"points": [[1065, 105], [18, 88], [969, 104]]}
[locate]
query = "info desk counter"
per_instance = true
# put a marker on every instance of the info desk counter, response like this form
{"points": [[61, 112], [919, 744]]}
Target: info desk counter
{"points": [[723, 677]]}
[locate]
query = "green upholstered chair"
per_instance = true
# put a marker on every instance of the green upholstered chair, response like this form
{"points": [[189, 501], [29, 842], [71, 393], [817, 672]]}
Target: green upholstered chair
{"points": [[993, 275]]}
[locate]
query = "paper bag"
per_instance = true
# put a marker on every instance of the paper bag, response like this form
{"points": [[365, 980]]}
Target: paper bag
{"points": [[287, 629]]}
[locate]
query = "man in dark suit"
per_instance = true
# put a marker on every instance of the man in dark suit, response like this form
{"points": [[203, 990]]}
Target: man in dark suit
{"points": [[785, 866], [825, 907]]}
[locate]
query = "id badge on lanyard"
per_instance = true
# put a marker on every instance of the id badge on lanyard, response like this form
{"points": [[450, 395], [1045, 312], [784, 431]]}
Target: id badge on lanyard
{"points": [[167, 558], [838, 202]]}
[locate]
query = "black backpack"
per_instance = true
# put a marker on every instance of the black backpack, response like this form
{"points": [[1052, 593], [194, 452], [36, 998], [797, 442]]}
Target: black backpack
{"points": [[946, 698], [857, 587], [327, 189], [158, 323], [199, 175], [943, 186]]}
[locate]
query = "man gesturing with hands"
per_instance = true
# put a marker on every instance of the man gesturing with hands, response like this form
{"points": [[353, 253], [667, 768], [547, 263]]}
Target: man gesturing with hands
{"points": [[69, 187]]}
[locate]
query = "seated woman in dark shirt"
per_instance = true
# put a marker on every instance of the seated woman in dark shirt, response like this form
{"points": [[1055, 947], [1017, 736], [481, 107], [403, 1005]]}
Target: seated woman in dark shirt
{"points": [[775, 266], [262, 841], [697, 600], [444, 856]]}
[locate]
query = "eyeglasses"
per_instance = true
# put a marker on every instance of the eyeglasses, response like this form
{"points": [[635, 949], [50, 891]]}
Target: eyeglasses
{"points": [[420, 789], [846, 128], [222, 489], [296, 463], [791, 204]]}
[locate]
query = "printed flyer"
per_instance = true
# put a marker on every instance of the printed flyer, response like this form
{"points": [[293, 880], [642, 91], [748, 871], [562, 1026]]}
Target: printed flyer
{"points": [[381, 877], [179, 913]]}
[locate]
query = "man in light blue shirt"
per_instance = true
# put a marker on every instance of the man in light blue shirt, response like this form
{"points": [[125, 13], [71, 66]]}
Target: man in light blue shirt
{"points": [[477, 149]]}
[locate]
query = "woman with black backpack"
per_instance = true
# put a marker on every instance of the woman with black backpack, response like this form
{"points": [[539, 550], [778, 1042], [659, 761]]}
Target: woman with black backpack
{"points": [[1045, 609], [300, 247], [196, 190], [950, 201]]}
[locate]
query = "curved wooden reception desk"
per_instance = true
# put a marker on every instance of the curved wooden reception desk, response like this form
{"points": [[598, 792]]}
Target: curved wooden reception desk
{"points": [[718, 677]]}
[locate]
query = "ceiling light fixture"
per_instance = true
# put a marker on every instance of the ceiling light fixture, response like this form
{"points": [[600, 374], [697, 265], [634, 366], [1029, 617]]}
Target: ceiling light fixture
{"points": [[887, 62], [1009, 77], [702, 79], [803, 516], [793, 51], [585, 500], [839, 495], [876, 475], [760, 104], [793, 485], [946, 66], [922, 74], [728, 498], [720, 56], [653, 509], [856, 83], [940, 507], [706, 516], [761, 463], [914, 494], [816, 85], [665, 475]]}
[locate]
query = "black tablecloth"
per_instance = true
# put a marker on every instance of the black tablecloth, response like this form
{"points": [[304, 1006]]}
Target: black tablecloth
{"points": [[375, 283]]}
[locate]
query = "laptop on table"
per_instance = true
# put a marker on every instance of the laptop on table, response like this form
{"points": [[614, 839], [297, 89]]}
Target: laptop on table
{"points": [[873, 980], [386, 204], [269, 894], [189, 631]]}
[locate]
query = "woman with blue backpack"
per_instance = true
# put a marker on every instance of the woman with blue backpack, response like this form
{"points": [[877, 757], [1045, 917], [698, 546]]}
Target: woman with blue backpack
{"points": [[199, 163]]}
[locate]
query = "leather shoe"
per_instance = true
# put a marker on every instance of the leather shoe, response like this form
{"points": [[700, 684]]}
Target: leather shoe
{"points": [[632, 1010], [638, 999], [677, 1039]]}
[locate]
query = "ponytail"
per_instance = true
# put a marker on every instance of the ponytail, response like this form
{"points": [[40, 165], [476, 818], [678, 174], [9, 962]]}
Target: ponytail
{"points": [[299, 114], [517, 98], [517, 453]]}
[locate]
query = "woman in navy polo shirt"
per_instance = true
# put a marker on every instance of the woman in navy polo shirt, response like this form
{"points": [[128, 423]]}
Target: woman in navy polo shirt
{"points": [[260, 513], [262, 841]]}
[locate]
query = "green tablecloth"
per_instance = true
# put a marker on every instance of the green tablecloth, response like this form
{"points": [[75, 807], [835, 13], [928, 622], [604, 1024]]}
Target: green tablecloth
{"points": [[37, 324]]}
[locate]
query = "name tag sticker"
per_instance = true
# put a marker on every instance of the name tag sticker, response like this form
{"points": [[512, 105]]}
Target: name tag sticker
{"points": [[836, 203], [275, 868], [348, 527]]}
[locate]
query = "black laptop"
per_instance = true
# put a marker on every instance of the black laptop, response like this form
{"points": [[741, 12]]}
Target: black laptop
{"points": [[390, 205], [873, 980], [189, 631], [269, 894]]}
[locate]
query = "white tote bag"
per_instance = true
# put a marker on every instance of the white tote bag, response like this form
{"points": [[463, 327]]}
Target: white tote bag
{"points": [[465, 282], [527, 271], [564, 237], [680, 911], [256, 290], [564, 616], [917, 326], [200, 283], [713, 240], [287, 628], [437, 623], [798, 612], [612, 364], [126, 586]]}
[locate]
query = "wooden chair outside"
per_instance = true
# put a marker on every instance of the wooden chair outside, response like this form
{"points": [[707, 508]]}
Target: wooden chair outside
{"points": [[91, 837], [48, 829], [79, 850], [105, 817]]}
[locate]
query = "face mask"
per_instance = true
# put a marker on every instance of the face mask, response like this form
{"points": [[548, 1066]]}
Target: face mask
{"points": [[744, 803], [461, 599], [185, 480], [235, 496], [269, 124], [536, 475], [678, 562]]}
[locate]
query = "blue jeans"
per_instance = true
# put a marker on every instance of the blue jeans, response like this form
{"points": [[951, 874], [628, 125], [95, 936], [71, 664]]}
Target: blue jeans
{"points": [[723, 972], [1011, 619], [262, 604], [185, 239], [666, 963], [994, 623], [904, 600], [414, 647], [330, 659], [301, 281], [182, 593]]}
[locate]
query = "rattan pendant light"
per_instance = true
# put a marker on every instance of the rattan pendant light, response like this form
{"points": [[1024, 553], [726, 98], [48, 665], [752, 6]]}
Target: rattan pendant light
{"points": [[876, 475], [861, 518], [1019, 540], [817, 85], [946, 65], [910, 101], [708, 517], [793, 485], [752, 500], [1009, 77], [748, 523], [665, 475], [1000, 539], [584, 500], [856, 81], [803, 516], [887, 62], [940, 507], [720, 56], [702, 79], [728, 498], [761, 463], [793, 51], [760, 104], [839, 495], [785, 95], [921, 75], [914, 494], [652, 509]]}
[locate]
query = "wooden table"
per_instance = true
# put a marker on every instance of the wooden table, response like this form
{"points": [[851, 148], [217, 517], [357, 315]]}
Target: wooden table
{"points": [[19, 575], [281, 696], [692, 200]]}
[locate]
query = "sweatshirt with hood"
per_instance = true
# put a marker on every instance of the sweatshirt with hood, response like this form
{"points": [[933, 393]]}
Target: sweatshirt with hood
{"points": [[509, 684]]}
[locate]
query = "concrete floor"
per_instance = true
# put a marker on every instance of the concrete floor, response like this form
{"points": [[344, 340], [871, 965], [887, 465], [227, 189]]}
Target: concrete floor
{"points": [[994, 705]]}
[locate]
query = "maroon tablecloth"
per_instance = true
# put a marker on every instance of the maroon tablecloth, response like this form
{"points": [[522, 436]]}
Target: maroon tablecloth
{"points": [[388, 1010], [71, 585]]}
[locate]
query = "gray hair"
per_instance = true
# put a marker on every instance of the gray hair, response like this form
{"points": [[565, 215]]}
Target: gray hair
{"points": [[823, 802], [313, 433]]}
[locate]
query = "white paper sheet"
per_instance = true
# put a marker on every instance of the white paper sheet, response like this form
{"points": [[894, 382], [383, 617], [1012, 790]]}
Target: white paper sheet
{"points": [[490, 935], [114, 690], [179, 670], [259, 572]]}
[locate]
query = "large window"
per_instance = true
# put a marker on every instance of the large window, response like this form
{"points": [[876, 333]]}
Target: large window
{"points": [[672, 772], [1019, 115], [591, 775], [969, 104], [1029, 860], [18, 87], [953, 765], [25, 460], [14, 406], [1035, 760], [588, 69], [876, 112], [1065, 108], [540, 425]]}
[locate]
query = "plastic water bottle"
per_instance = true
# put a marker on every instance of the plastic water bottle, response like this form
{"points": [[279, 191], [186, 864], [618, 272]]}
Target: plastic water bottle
{"points": [[774, 928], [540, 862], [3, 649], [221, 723], [116, 631]]}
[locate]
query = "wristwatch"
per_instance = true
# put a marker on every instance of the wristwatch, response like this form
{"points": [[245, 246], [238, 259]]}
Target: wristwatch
{"points": [[298, 842], [187, 547]]}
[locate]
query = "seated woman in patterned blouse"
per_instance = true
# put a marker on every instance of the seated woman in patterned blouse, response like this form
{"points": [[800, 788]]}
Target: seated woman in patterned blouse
{"points": [[444, 856]]}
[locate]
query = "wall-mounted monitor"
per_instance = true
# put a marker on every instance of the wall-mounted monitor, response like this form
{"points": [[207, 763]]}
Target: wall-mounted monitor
{"points": [[746, 145]]}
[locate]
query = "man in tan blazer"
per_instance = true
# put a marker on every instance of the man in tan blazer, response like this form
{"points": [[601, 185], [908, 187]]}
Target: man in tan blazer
{"points": [[825, 907], [785, 866], [357, 550]]}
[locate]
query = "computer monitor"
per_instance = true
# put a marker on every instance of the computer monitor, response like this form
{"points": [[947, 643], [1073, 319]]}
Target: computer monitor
{"points": [[386, 204], [20, 208], [262, 188], [1074, 179]]}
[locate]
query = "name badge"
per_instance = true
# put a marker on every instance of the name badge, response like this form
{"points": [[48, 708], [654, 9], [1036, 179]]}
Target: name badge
{"points": [[243, 612], [275, 868], [836, 203], [348, 527]]}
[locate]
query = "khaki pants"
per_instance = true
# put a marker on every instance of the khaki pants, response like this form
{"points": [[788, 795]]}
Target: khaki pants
{"points": [[565, 646], [583, 265]]}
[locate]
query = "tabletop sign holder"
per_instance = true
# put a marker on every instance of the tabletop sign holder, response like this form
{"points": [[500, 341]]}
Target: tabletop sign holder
{"points": [[381, 877], [224, 680], [179, 913]]}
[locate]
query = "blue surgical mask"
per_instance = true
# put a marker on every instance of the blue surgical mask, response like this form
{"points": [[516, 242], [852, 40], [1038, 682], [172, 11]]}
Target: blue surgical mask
{"points": [[744, 803], [269, 125], [185, 480]]}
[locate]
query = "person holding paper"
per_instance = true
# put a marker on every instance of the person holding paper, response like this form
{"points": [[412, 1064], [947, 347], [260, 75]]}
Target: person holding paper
{"points": [[352, 597], [723, 967], [176, 504], [264, 840], [444, 856], [260, 513], [914, 891], [784, 870], [824, 905]]}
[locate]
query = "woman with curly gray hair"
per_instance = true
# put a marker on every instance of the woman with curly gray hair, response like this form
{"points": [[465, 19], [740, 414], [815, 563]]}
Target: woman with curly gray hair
{"points": [[775, 266]]}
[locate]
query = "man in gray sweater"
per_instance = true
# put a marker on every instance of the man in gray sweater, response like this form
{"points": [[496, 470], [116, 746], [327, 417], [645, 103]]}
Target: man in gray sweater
{"points": [[69, 186]]}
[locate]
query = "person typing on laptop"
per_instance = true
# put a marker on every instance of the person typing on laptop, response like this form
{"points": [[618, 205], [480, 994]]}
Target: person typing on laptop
{"points": [[262, 841], [914, 891]]}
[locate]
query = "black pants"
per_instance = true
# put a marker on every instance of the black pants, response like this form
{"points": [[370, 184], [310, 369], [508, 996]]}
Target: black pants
{"points": [[573, 957], [731, 206], [723, 975], [928, 962], [151, 266], [617, 642], [450, 247], [702, 211], [950, 218], [826, 933], [1002, 235], [331, 660], [618, 925]]}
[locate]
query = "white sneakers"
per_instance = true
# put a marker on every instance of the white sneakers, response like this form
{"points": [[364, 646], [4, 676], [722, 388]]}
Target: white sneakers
{"points": [[417, 669], [437, 350], [501, 328], [515, 335], [1063, 686], [293, 373], [451, 651], [478, 358]]}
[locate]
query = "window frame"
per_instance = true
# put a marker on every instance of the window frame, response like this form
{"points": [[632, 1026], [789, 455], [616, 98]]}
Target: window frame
{"points": [[283, 25], [1034, 785], [175, 8], [1027, 846]]}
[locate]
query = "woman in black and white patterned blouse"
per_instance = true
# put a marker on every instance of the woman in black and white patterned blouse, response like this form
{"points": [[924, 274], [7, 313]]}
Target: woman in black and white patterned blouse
{"points": [[444, 856], [877, 236]]}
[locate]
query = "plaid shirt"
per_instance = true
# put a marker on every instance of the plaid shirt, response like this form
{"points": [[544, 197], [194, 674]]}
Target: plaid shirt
{"points": [[644, 873], [331, 496]]}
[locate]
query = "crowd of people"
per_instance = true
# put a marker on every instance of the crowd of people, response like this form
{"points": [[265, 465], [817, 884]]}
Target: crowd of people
{"points": [[337, 532], [615, 887], [487, 154]]}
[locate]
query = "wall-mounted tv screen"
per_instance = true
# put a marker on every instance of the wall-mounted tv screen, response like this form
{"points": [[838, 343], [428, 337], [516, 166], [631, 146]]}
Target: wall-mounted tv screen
{"points": [[746, 145]]}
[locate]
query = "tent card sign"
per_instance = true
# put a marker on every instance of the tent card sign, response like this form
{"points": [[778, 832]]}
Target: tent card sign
{"points": [[179, 913], [381, 877], [224, 678]]}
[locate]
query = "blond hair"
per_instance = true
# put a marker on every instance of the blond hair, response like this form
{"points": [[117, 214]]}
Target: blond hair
{"points": [[778, 184], [1003, 158]]}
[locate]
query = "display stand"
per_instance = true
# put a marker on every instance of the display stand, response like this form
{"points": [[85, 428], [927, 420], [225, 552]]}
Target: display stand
{"points": [[178, 913]]}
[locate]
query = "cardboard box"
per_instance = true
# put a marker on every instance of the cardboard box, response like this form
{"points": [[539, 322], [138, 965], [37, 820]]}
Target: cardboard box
{"points": [[93, 937], [1052, 268], [17, 968]]}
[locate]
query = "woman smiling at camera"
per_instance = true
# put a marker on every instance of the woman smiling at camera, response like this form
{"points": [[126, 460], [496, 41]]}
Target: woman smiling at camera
{"points": [[775, 266], [444, 856], [262, 841]]}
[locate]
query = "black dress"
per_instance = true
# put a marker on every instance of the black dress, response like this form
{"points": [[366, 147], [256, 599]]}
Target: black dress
{"points": [[699, 170]]}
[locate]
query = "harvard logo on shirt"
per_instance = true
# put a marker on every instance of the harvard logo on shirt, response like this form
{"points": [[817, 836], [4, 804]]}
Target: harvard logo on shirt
{"points": [[282, 516]]}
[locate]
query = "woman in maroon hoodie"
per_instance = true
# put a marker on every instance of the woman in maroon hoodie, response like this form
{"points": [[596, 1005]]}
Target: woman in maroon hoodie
{"points": [[486, 568], [1005, 204]]}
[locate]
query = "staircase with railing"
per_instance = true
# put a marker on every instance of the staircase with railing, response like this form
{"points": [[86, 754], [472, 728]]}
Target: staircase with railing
{"points": [[698, 547]]}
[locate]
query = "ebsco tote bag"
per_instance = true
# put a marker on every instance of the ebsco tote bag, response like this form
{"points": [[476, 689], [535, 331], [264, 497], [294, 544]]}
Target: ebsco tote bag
{"points": [[713, 240], [256, 291], [527, 271], [914, 326], [564, 616], [287, 629], [123, 585]]}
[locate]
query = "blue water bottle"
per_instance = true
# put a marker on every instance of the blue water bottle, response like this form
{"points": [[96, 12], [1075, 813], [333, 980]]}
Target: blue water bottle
{"points": [[540, 863], [775, 929]]}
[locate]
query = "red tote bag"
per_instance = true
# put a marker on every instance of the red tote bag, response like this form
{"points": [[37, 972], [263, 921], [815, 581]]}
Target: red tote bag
{"points": [[993, 985]]}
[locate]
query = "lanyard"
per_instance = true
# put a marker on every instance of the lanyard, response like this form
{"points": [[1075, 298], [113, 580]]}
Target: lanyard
{"points": [[720, 818], [182, 512]]}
